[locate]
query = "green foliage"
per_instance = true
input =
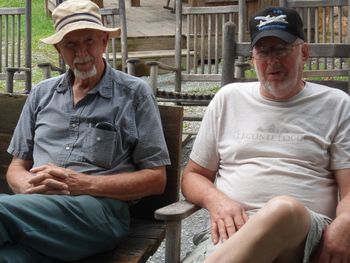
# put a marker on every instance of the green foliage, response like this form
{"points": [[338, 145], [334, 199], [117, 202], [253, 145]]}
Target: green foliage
{"points": [[250, 73], [209, 90], [321, 65], [42, 26]]}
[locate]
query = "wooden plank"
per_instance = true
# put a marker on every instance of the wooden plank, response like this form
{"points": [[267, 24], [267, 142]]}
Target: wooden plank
{"points": [[333, 50], [15, 77], [317, 3], [135, 2], [210, 10], [325, 73], [109, 11], [12, 11], [146, 54], [143, 241], [201, 77], [149, 43], [220, 2], [11, 107], [176, 211]]}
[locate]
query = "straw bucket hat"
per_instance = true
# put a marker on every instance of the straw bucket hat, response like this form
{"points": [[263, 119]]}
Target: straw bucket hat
{"points": [[74, 15]]}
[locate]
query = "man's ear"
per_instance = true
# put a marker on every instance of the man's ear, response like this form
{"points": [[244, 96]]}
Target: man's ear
{"points": [[55, 46], [105, 39], [305, 52]]}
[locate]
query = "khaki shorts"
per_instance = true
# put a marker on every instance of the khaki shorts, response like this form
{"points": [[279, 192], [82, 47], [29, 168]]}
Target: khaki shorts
{"points": [[204, 245]]}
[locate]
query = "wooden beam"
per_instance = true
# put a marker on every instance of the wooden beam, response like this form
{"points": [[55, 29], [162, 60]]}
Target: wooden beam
{"points": [[135, 3]]}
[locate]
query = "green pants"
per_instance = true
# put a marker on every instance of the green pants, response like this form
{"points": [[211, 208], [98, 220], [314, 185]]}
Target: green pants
{"points": [[40, 228]]}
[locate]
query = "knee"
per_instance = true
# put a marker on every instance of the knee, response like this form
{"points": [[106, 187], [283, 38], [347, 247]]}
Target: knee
{"points": [[288, 211]]}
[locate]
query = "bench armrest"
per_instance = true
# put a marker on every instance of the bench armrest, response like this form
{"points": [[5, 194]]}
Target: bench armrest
{"points": [[176, 211], [172, 215]]}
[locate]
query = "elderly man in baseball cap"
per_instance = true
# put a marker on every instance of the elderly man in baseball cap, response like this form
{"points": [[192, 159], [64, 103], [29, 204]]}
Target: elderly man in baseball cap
{"points": [[88, 144], [271, 161]]}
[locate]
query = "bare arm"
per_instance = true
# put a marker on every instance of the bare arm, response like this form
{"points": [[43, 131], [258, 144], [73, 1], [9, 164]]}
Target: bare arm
{"points": [[51, 179], [227, 216], [18, 175], [335, 246]]}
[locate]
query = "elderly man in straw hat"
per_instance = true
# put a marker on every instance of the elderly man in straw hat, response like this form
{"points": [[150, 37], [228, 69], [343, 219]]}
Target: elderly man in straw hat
{"points": [[88, 144]]}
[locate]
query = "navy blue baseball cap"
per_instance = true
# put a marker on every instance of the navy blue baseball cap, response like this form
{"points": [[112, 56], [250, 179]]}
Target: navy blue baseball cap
{"points": [[281, 22]]}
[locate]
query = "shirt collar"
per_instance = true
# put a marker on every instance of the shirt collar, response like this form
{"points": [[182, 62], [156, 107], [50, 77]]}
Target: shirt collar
{"points": [[104, 87]]}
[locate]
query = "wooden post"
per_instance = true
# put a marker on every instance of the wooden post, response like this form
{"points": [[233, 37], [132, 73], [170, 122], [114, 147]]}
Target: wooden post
{"points": [[28, 46], [124, 33], [229, 51], [172, 244], [178, 42]]}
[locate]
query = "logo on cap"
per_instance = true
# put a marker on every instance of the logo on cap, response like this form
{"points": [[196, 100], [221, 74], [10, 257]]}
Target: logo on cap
{"points": [[265, 20]]}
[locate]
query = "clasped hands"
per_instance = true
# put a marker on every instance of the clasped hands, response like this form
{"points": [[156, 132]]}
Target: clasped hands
{"points": [[51, 179]]}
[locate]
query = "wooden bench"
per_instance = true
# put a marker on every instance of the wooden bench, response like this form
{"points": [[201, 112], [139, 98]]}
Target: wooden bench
{"points": [[146, 233]]}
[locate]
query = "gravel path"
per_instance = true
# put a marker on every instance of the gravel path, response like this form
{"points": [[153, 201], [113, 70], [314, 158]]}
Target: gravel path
{"points": [[197, 221]]}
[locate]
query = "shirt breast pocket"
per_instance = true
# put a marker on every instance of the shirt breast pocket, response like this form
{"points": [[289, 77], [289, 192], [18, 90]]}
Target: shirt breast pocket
{"points": [[99, 147]]}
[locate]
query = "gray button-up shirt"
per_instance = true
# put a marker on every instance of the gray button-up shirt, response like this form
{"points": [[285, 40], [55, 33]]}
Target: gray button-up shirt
{"points": [[115, 128]]}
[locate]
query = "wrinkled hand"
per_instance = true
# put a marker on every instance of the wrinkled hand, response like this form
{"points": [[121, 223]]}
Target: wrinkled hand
{"points": [[227, 217], [51, 179], [335, 244]]}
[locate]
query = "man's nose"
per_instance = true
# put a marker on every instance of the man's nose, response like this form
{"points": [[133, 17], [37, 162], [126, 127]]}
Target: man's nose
{"points": [[80, 50]]}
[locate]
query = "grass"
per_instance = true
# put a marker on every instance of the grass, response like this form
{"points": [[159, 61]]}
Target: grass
{"points": [[42, 26]]}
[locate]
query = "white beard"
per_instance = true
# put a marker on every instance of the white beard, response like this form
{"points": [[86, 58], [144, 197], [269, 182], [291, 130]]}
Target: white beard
{"points": [[85, 74]]}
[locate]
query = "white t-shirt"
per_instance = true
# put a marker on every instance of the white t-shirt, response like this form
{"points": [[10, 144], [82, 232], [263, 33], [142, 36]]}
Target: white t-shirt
{"points": [[263, 148]]}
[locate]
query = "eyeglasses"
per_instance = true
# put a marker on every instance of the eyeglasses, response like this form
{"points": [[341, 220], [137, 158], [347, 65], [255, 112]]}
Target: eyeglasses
{"points": [[279, 51]]}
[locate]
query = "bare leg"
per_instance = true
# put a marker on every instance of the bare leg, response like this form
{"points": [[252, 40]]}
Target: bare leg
{"points": [[276, 233]]}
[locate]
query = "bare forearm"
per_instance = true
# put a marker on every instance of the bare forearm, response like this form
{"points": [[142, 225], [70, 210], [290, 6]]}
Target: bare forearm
{"points": [[343, 180], [343, 208], [18, 175], [198, 189], [125, 186]]}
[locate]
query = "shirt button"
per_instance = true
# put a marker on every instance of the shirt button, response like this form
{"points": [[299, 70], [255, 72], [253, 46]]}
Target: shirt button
{"points": [[98, 139], [74, 125], [67, 148]]}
